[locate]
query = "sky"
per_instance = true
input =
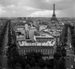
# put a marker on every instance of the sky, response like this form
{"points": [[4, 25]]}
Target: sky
{"points": [[36, 8]]}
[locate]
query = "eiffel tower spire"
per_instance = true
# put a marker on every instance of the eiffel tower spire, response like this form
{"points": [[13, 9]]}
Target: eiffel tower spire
{"points": [[53, 11]]}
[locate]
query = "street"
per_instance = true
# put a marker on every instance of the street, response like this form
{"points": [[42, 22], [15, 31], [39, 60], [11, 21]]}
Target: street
{"points": [[69, 52], [4, 57]]}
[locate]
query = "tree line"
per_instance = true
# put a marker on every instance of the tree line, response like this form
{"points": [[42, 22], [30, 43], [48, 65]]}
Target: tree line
{"points": [[34, 60], [72, 29], [2, 34]]}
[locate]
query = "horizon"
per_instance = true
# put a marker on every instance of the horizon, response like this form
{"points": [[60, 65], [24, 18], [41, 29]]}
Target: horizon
{"points": [[36, 17]]}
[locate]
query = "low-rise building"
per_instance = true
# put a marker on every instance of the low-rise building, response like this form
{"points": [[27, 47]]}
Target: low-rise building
{"points": [[44, 43]]}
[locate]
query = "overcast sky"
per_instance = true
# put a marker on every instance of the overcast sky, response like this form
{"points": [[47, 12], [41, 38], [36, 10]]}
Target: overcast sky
{"points": [[36, 8]]}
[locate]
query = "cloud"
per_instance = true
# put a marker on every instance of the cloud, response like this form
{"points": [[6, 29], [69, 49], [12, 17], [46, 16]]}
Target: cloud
{"points": [[36, 8], [10, 6], [21, 7], [69, 12], [18, 10], [52, 1], [2, 11], [30, 8], [42, 13], [40, 4]]}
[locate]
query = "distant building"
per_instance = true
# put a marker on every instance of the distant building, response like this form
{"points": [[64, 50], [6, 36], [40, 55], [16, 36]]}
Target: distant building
{"points": [[20, 32], [31, 32], [42, 27], [55, 33]]}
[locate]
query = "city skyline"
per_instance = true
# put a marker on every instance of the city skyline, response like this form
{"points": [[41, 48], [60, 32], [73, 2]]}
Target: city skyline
{"points": [[36, 8]]}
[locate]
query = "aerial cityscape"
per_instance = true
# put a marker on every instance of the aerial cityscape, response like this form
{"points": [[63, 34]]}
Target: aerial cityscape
{"points": [[37, 42]]}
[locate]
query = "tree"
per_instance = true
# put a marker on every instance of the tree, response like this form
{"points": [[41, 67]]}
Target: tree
{"points": [[41, 63], [58, 49], [35, 67], [17, 66], [63, 36], [34, 55], [51, 61], [35, 58], [57, 55], [62, 64], [12, 51], [27, 66], [9, 34], [63, 52], [32, 62]]}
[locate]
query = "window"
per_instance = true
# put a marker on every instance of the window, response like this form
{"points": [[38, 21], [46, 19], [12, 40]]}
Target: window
{"points": [[52, 42], [21, 42], [36, 50], [27, 35], [24, 52], [41, 50]]}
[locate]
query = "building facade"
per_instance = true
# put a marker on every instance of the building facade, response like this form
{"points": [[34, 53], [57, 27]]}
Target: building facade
{"points": [[27, 41]]}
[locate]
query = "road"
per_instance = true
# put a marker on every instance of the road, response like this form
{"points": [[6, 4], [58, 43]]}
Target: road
{"points": [[69, 52], [4, 57]]}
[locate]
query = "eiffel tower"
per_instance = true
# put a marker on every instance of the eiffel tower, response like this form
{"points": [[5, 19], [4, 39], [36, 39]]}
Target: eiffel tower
{"points": [[54, 19]]}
